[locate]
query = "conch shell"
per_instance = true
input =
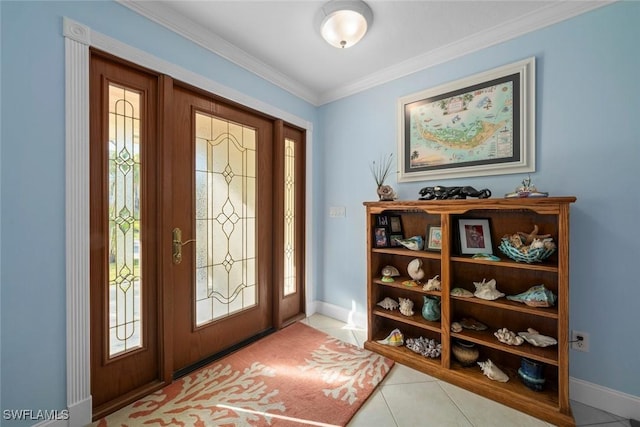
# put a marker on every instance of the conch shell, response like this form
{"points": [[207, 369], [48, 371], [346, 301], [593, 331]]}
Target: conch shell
{"points": [[388, 303], [394, 339], [406, 306], [493, 372], [487, 290], [433, 284]]}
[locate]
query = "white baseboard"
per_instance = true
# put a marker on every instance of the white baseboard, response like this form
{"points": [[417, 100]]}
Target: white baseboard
{"points": [[350, 317], [606, 399]]}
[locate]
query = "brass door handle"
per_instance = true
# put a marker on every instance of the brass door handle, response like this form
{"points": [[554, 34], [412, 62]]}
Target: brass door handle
{"points": [[177, 245]]}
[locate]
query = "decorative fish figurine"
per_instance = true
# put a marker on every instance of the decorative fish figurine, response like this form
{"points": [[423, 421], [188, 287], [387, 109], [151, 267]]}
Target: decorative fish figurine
{"points": [[394, 339], [535, 296], [414, 243]]}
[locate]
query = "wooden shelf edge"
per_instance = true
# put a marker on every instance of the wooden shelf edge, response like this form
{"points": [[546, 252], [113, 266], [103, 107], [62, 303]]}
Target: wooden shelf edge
{"points": [[505, 304]]}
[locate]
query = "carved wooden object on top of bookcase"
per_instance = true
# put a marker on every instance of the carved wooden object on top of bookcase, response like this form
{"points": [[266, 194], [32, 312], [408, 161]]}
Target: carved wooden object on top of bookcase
{"points": [[506, 217]]}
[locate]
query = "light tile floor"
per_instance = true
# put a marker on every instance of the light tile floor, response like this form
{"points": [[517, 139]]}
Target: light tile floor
{"points": [[395, 402]]}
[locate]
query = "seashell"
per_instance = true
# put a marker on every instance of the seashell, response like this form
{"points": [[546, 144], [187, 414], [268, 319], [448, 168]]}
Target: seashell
{"points": [[414, 243], [535, 296], [508, 337], [424, 346], [394, 339], [461, 292], [389, 272], [433, 284], [473, 324], [406, 306], [414, 269], [456, 327], [487, 290], [534, 338], [493, 372], [388, 304]]}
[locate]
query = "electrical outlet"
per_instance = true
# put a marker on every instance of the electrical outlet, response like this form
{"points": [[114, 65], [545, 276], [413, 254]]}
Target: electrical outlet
{"points": [[580, 341]]}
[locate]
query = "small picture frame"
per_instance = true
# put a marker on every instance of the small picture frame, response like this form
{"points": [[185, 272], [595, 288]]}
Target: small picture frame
{"points": [[395, 224], [380, 237], [393, 239], [382, 221], [474, 236], [434, 238]]}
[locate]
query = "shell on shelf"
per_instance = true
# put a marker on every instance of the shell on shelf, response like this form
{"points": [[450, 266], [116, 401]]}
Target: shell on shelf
{"points": [[394, 339], [456, 327], [487, 290], [473, 324], [414, 243], [491, 371], [425, 347], [433, 284], [536, 296], [508, 337], [389, 272], [388, 304], [415, 271], [406, 306], [461, 292], [533, 337]]}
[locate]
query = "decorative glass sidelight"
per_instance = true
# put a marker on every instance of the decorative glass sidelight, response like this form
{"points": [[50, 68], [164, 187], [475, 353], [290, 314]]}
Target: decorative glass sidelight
{"points": [[124, 187], [225, 177], [289, 217]]}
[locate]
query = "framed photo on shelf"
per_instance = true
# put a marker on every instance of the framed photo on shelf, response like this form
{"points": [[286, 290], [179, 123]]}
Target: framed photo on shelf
{"points": [[382, 221], [380, 237], [395, 224], [434, 238], [393, 239], [480, 125], [474, 236]]}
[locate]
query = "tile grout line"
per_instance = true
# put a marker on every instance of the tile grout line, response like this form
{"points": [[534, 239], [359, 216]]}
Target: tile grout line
{"points": [[454, 403]]}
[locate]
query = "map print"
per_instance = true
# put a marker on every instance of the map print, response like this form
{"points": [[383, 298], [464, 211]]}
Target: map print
{"points": [[469, 127]]}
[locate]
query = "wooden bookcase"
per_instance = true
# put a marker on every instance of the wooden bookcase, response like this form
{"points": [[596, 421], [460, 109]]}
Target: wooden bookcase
{"points": [[506, 217]]}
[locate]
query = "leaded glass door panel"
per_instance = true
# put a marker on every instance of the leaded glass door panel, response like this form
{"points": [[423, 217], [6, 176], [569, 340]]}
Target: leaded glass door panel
{"points": [[221, 189]]}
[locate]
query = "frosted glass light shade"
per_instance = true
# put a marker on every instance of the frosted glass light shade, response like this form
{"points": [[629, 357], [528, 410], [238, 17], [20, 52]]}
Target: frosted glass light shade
{"points": [[344, 23]]}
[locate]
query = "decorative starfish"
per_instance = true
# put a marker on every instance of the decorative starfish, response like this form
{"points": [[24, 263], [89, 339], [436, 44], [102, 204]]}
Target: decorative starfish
{"points": [[529, 238]]}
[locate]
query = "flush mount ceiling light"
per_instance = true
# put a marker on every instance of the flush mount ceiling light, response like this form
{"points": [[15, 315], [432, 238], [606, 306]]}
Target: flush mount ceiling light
{"points": [[344, 22]]}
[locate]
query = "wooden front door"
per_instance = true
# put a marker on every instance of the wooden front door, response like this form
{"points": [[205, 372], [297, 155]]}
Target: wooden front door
{"points": [[222, 211]]}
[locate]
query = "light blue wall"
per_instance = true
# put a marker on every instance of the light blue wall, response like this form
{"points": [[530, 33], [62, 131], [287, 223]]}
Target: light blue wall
{"points": [[587, 107], [33, 352], [588, 100]]}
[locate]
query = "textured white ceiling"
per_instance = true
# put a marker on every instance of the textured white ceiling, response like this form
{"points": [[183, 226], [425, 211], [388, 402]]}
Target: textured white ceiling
{"points": [[279, 39]]}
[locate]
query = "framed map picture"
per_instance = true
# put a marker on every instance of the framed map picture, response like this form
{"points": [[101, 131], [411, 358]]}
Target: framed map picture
{"points": [[477, 126]]}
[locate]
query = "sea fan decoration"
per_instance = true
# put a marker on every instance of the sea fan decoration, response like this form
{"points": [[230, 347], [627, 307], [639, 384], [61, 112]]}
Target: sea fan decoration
{"points": [[380, 170]]}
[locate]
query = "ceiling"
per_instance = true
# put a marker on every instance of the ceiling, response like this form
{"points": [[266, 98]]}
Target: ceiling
{"points": [[280, 41]]}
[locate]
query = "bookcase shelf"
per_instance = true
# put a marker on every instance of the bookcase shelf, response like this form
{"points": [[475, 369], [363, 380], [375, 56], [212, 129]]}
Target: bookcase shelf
{"points": [[456, 270]]}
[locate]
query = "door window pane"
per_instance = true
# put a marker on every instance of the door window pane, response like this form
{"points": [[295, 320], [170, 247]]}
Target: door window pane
{"points": [[125, 274], [289, 217], [225, 215]]}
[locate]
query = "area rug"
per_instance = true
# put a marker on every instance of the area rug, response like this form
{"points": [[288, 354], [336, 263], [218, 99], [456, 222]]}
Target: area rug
{"points": [[298, 376]]}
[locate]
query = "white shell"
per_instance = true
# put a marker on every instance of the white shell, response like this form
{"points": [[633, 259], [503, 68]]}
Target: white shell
{"points": [[493, 372], [456, 327], [487, 290], [406, 306], [415, 271], [508, 337], [390, 271], [433, 284], [534, 338], [388, 303]]}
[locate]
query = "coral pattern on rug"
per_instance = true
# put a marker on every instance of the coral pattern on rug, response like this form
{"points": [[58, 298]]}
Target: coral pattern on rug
{"points": [[298, 376]]}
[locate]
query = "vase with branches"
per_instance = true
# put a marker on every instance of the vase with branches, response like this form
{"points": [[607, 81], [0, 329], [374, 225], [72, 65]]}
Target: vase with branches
{"points": [[380, 172]]}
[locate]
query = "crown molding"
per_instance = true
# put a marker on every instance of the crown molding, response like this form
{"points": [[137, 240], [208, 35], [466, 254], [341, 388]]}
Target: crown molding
{"points": [[159, 13], [536, 20], [544, 17]]}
